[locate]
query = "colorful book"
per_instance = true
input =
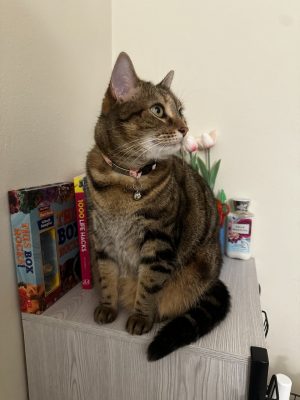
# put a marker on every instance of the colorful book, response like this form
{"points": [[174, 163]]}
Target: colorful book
{"points": [[82, 225], [45, 243]]}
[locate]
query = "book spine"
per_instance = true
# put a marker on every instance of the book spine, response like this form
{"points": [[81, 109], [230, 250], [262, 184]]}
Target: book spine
{"points": [[82, 225]]}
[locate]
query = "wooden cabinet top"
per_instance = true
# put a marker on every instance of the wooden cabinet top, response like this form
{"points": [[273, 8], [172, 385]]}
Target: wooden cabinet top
{"points": [[232, 339]]}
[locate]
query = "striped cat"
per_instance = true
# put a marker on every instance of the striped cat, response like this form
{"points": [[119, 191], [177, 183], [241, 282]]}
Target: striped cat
{"points": [[154, 220]]}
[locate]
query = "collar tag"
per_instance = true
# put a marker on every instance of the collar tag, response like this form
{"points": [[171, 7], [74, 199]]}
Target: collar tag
{"points": [[134, 174]]}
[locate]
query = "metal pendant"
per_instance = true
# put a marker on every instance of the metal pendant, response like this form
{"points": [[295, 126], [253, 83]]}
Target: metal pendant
{"points": [[137, 195]]}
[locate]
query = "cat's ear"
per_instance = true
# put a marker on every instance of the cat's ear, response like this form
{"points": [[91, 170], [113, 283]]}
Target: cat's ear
{"points": [[167, 80], [124, 80]]}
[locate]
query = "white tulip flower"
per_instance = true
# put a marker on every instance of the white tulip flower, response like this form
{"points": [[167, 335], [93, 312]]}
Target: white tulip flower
{"points": [[207, 140]]}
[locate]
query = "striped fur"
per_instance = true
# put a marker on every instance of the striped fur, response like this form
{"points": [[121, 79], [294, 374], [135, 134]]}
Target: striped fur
{"points": [[159, 256]]}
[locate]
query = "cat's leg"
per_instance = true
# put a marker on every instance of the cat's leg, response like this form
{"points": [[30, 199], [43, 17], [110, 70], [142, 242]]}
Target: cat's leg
{"points": [[190, 282], [127, 292], [182, 291], [106, 273], [156, 265]]}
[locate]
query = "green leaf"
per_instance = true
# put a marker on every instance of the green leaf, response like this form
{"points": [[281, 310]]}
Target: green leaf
{"points": [[213, 174], [193, 158], [222, 196], [203, 169]]}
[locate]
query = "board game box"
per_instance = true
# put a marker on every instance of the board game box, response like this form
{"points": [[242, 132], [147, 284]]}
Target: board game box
{"points": [[82, 225], [45, 243]]}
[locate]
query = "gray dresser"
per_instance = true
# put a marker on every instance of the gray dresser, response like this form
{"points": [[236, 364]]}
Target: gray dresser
{"points": [[70, 357]]}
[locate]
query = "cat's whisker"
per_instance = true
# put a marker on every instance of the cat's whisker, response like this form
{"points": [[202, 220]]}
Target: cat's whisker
{"points": [[136, 140], [124, 151], [159, 142], [125, 147], [140, 156], [133, 148]]}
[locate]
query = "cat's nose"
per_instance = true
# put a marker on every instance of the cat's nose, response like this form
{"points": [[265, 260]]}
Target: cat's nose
{"points": [[183, 130]]}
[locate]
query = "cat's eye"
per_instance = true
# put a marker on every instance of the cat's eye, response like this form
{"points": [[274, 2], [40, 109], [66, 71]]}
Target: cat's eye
{"points": [[158, 110], [180, 111]]}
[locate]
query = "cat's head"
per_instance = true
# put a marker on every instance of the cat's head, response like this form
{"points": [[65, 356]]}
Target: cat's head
{"points": [[140, 121]]}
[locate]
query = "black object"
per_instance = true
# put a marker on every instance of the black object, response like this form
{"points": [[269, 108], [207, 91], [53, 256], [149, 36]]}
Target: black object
{"points": [[258, 373], [273, 389], [266, 323]]}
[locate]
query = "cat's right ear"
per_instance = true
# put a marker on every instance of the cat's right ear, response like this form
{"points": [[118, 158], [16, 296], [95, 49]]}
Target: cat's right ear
{"points": [[167, 81], [124, 80]]}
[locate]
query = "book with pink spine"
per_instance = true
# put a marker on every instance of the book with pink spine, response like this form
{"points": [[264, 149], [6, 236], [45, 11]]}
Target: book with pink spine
{"points": [[82, 224]]}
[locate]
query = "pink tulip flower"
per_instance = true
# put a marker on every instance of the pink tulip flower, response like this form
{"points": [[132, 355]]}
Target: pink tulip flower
{"points": [[190, 144]]}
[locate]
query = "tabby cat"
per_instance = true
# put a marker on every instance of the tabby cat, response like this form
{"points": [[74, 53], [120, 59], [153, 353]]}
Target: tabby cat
{"points": [[154, 220]]}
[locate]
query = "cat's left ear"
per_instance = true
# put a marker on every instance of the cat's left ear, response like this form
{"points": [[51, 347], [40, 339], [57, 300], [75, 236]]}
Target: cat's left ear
{"points": [[167, 80], [124, 80]]}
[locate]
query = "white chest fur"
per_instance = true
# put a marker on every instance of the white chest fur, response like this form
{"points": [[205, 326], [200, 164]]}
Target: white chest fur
{"points": [[119, 237]]}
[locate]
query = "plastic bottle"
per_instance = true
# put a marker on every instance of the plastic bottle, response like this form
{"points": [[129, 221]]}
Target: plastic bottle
{"points": [[284, 384], [239, 230]]}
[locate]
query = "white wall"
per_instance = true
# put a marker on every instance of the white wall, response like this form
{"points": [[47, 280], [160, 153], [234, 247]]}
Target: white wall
{"points": [[55, 63], [237, 69]]}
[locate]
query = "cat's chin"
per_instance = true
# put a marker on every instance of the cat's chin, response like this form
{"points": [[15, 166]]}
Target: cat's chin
{"points": [[166, 152]]}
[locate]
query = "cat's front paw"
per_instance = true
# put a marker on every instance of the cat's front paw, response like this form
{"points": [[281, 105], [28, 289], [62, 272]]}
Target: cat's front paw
{"points": [[138, 324], [104, 314]]}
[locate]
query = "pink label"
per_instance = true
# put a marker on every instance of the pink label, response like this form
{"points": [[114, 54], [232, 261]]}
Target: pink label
{"points": [[238, 228]]}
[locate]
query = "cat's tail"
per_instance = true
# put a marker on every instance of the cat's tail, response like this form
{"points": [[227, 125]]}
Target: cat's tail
{"points": [[189, 327]]}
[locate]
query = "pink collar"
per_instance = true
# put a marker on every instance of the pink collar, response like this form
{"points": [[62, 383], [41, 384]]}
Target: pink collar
{"points": [[134, 173]]}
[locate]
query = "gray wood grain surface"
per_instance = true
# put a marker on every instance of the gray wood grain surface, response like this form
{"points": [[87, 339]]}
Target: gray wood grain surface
{"points": [[69, 356]]}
